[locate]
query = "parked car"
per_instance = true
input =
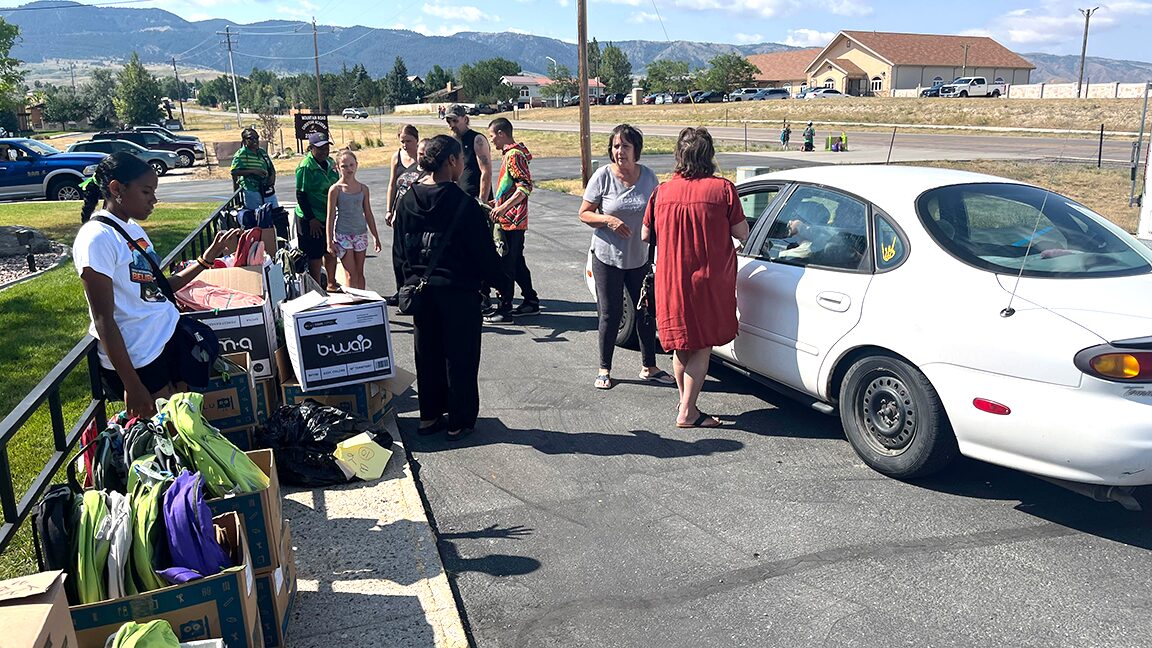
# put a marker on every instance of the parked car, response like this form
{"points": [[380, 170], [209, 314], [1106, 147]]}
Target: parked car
{"points": [[764, 94], [627, 100], [154, 128], [742, 94], [649, 99], [824, 93], [933, 91], [188, 151], [33, 169], [160, 161], [354, 113], [680, 97], [942, 312], [614, 99], [482, 109], [709, 96]]}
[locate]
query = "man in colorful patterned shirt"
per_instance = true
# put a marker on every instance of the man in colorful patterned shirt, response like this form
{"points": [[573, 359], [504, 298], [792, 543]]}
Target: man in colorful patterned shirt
{"points": [[510, 212]]}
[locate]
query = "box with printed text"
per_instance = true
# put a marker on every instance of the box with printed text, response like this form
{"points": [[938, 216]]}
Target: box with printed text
{"points": [[339, 339], [248, 329]]}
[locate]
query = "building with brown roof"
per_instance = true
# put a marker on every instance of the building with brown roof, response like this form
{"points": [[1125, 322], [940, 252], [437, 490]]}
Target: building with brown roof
{"points": [[787, 69], [876, 63]]}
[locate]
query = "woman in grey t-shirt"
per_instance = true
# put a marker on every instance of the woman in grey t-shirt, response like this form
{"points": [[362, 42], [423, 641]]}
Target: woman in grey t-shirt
{"points": [[614, 204]]}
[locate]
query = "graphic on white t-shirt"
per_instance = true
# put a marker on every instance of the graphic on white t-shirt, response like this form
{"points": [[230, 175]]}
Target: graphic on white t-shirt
{"points": [[140, 271]]}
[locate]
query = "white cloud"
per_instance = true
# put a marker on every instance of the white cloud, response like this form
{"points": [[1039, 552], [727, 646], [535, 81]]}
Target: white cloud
{"points": [[641, 17], [748, 38], [808, 38], [1058, 24], [422, 28], [460, 12], [563, 3], [847, 7], [1126, 7]]}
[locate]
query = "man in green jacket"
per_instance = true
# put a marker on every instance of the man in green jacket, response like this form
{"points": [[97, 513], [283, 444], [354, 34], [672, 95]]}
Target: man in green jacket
{"points": [[314, 176]]}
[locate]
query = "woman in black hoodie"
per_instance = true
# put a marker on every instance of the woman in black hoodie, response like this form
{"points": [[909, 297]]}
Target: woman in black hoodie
{"points": [[448, 321]]}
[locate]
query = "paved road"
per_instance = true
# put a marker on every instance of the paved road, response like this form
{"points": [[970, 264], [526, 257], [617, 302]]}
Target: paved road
{"points": [[578, 517]]}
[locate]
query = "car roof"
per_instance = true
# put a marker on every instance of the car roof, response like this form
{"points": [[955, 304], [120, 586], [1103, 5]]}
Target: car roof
{"points": [[879, 183]]}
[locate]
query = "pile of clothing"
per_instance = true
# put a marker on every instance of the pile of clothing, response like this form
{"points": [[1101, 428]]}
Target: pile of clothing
{"points": [[141, 521]]}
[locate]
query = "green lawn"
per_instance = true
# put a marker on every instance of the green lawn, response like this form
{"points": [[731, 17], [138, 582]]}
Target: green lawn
{"points": [[40, 321]]}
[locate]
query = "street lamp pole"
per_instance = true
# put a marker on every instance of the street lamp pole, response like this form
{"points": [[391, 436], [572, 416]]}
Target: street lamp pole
{"points": [[552, 73], [1084, 48]]}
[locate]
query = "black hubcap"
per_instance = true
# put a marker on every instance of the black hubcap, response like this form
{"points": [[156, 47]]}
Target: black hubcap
{"points": [[888, 412]]}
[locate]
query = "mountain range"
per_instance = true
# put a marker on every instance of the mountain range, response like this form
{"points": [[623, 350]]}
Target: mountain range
{"points": [[60, 30]]}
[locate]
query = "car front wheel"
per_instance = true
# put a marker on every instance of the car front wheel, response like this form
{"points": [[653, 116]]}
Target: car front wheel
{"points": [[893, 418], [64, 189], [159, 167], [187, 159]]}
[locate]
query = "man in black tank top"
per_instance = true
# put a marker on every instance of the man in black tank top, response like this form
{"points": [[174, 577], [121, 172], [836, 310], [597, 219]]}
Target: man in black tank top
{"points": [[476, 179]]}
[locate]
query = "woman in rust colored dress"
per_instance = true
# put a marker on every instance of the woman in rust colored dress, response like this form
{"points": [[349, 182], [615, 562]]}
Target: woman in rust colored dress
{"points": [[692, 219]]}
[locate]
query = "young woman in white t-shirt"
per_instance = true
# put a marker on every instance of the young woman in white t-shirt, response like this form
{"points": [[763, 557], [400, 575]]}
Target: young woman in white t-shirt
{"points": [[132, 320]]}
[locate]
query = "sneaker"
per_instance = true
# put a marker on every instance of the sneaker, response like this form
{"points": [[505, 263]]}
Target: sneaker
{"points": [[498, 317], [527, 308]]}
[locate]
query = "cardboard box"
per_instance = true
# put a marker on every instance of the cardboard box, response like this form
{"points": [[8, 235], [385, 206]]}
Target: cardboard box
{"points": [[275, 286], [34, 612], [222, 606], [229, 400], [340, 339], [262, 513], [276, 594], [369, 400], [246, 328]]}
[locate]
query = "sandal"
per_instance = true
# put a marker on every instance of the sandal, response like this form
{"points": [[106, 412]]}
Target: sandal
{"points": [[702, 421], [661, 376], [603, 381]]}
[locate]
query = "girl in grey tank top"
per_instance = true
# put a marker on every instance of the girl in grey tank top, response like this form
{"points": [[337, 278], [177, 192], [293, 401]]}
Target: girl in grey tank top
{"points": [[349, 220]]}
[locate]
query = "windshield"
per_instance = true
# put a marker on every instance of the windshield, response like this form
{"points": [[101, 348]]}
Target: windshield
{"points": [[963, 80], [40, 148], [1008, 228]]}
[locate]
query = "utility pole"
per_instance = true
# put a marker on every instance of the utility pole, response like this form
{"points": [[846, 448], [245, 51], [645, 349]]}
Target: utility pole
{"points": [[316, 58], [179, 91], [72, 69], [227, 34], [1084, 48], [964, 69], [582, 52]]}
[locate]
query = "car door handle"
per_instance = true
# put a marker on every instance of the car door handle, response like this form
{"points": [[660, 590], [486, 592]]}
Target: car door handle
{"points": [[834, 301]]}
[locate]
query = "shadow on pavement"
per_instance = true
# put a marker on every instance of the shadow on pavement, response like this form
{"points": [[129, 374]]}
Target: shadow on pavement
{"points": [[493, 564]]}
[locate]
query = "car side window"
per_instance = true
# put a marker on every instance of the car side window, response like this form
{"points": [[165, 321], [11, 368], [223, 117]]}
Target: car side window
{"points": [[150, 140], [891, 249], [757, 202], [819, 227]]}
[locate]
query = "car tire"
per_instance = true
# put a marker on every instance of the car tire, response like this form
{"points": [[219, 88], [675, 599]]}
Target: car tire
{"points": [[187, 159], [158, 166], [963, 93], [995, 94], [64, 189], [894, 419], [626, 335]]}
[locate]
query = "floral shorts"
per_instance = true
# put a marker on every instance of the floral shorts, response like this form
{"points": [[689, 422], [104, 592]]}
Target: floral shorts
{"points": [[345, 242]]}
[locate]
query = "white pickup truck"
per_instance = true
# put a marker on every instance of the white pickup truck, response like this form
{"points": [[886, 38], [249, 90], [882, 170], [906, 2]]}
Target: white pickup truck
{"points": [[972, 87]]}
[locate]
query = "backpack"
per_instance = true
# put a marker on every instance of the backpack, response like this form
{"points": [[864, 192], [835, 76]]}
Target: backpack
{"points": [[92, 548], [191, 535], [55, 520], [149, 541], [224, 467], [154, 634]]}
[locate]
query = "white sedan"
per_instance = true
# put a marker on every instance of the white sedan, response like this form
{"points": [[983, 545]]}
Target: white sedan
{"points": [[942, 311], [824, 93]]}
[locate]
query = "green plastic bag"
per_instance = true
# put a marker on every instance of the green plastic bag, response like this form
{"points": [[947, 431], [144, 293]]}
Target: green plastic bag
{"points": [[201, 447], [149, 541], [154, 634], [92, 549]]}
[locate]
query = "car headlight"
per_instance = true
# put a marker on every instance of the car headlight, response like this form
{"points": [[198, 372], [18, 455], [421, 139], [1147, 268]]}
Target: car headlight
{"points": [[89, 170], [1116, 363]]}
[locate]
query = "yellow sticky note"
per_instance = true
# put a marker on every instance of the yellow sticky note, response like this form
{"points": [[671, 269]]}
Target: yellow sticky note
{"points": [[362, 456]]}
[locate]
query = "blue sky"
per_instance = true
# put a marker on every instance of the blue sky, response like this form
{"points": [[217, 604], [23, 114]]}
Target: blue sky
{"points": [[1119, 29]]}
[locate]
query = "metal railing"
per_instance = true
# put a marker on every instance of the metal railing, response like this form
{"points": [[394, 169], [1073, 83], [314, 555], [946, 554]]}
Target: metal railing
{"points": [[65, 438]]}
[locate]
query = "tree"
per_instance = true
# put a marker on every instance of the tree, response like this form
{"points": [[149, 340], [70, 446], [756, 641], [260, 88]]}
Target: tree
{"points": [[594, 59], [438, 78], [11, 78], [395, 88], [615, 70], [63, 105], [170, 89], [729, 71], [482, 81], [563, 83], [137, 99], [668, 76], [365, 91], [97, 96]]}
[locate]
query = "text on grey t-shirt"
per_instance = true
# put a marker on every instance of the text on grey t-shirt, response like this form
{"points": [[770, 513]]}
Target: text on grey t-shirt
{"points": [[627, 204]]}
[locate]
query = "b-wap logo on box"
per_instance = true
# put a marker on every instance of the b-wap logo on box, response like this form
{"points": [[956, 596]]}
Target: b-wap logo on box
{"points": [[360, 345]]}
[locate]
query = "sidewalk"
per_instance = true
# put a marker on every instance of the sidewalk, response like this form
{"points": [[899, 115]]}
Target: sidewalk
{"points": [[369, 574]]}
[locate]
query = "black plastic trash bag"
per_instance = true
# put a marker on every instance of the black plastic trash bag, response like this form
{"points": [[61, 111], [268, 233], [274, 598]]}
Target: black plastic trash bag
{"points": [[304, 436]]}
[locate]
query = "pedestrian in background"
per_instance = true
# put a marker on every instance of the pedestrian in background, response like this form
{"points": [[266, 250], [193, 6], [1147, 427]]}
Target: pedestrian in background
{"points": [[614, 204], [809, 138], [510, 214], [476, 179], [692, 220], [254, 172], [349, 220], [785, 135], [314, 177], [405, 171], [434, 214]]}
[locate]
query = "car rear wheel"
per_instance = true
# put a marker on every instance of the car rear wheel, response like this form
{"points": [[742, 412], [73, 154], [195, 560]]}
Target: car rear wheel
{"points": [[995, 94], [64, 189], [187, 159], [158, 166], [893, 418]]}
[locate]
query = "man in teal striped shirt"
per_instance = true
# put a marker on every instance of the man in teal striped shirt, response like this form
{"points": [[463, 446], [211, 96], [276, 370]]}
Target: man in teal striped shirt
{"points": [[254, 171]]}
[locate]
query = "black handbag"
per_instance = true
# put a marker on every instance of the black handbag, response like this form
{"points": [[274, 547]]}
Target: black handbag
{"points": [[197, 344], [408, 296]]}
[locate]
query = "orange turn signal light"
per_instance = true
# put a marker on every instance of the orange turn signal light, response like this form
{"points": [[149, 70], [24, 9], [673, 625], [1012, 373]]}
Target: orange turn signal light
{"points": [[1124, 366]]}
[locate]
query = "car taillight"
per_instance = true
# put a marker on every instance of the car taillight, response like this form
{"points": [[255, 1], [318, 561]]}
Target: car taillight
{"points": [[1116, 364]]}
